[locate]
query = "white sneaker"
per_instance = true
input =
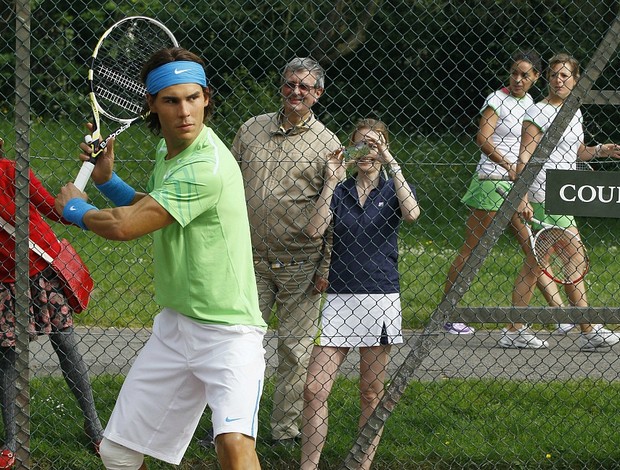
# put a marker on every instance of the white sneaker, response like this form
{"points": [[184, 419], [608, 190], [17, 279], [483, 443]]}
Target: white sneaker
{"points": [[563, 328], [522, 339], [598, 338], [458, 329]]}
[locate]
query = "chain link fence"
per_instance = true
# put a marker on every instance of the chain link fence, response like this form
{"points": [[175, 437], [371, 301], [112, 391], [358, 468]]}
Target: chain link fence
{"points": [[425, 69]]}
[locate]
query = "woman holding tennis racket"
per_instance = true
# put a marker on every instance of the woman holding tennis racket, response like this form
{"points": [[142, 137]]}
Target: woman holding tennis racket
{"points": [[563, 74], [50, 312], [362, 308], [498, 137]]}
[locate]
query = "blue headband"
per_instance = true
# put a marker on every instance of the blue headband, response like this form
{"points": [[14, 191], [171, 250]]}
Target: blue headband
{"points": [[175, 73]]}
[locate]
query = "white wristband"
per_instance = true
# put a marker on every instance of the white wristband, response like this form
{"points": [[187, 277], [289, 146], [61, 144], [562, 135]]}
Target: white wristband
{"points": [[597, 150], [394, 169]]}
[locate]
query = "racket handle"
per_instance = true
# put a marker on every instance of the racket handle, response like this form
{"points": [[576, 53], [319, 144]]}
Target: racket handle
{"points": [[84, 175], [501, 191]]}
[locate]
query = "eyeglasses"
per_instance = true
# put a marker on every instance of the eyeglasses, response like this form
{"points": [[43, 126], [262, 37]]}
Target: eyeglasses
{"points": [[303, 87]]}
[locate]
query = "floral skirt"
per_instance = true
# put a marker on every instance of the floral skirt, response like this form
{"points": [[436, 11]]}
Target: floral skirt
{"points": [[48, 310]]}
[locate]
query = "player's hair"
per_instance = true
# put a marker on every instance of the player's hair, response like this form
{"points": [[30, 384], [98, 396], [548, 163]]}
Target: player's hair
{"points": [[306, 64], [529, 56], [566, 59], [165, 56], [374, 125]]}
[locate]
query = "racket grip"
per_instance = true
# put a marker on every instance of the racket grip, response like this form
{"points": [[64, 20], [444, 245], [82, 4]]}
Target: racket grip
{"points": [[502, 192], [84, 175]]}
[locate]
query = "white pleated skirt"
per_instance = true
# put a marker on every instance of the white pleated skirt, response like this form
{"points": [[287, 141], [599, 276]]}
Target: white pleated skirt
{"points": [[361, 320]]}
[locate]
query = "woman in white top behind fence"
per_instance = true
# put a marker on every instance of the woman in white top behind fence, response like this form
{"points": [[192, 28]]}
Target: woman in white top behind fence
{"points": [[499, 136], [563, 74]]}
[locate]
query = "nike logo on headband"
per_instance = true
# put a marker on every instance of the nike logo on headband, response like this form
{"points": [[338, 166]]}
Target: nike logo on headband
{"points": [[175, 73]]}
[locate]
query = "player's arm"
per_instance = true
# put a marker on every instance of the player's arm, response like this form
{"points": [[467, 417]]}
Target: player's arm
{"points": [[322, 216], [531, 135], [409, 208], [321, 277], [598, 151], [120, 223], [484, 139], [530, 138]]}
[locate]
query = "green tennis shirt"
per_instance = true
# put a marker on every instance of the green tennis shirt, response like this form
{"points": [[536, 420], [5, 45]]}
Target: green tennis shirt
{"points": [[203, 261]]}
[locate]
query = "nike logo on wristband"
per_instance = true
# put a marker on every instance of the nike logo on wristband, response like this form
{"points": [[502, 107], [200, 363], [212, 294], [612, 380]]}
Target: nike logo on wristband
{"points": [[72, 208]]}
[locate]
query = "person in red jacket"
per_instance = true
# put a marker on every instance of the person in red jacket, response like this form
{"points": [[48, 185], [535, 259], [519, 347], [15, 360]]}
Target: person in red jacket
{"points": [[49, 311]]}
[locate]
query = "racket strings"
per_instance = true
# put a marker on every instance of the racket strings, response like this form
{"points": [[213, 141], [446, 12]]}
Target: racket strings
{"points": [[117, 66], [119, 90], [561, 254], [119, 101], [118, 95], [121, 79]]}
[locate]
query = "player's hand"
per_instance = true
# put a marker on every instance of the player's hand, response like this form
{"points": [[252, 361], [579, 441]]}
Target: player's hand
{"points": [[610, 150], [105, 161], [335, 168], [512, 172], [67, 192], [320, 284], [382, 150], [525, 211]]}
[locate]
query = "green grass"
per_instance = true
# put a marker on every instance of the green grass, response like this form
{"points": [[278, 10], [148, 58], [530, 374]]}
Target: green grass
{"points": [[440, 169], [450, 424], [424, 267]]}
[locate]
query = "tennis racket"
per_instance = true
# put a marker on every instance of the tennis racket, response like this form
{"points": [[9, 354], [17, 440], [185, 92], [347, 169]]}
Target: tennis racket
{"points": [[115, 89], [559, 253]]}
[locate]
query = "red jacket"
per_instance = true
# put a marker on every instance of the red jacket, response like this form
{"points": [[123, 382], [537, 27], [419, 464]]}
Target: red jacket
{"points": [[41, 204]]}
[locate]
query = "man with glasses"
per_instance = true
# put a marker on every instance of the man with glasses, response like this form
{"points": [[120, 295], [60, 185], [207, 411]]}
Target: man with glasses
{"points": [[283, 158]]}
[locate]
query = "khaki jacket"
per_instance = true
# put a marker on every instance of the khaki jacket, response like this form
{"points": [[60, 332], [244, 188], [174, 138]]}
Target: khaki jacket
{"points": [[284, 175]]}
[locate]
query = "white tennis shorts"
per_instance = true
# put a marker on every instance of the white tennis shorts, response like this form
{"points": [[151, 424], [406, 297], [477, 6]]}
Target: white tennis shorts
{"points": [[361, 320], [184, 366]]}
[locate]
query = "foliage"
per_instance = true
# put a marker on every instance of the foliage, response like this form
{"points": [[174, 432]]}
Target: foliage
{"points": [[245, 97], [427, 65]]}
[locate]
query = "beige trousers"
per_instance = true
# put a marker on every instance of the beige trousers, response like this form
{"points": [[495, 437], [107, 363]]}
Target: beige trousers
{"points": [[287, 292]]}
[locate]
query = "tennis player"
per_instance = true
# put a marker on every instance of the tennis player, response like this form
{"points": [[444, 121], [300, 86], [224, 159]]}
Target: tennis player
{"points": [[563, 74], [207, 342], [498, 137]]}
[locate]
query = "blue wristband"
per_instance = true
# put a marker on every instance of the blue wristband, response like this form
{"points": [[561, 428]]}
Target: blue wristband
{"points": [[117, 191], [75, 209]]}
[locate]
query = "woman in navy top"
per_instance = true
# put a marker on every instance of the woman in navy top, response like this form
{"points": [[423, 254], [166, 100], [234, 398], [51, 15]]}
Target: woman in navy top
{"points": [[362, 308]]}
